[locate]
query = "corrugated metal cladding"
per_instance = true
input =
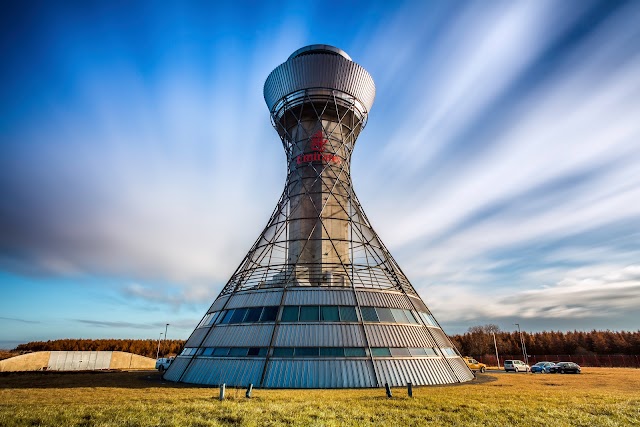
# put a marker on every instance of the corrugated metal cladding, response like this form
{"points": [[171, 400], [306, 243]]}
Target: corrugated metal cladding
{"points": [[232, 372], [461, 369], [337, 373], [319, 71], [384, 299], [440, 337], [239, 336], [319, 297], [79, 360], [255, 299], [335, 335], [419, 304], [399, 372], [176, 368], [398, 336], [196, 337], [218, 304]]}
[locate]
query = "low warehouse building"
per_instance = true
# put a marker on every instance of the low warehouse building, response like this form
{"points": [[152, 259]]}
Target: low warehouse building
{"points": [[75, 361]]}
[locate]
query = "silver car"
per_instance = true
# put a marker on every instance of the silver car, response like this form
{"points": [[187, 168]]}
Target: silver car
{"points": [[516, 366]]}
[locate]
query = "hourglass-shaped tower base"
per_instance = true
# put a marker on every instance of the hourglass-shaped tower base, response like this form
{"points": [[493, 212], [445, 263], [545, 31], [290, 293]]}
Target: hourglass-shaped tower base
{"points": [[318, 302]]}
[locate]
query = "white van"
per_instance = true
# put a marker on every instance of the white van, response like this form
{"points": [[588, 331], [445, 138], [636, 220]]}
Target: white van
{"points": [[516, 366], [163, 363]]}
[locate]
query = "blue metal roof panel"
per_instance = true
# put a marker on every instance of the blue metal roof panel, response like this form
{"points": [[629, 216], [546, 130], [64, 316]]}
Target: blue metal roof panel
{"points": [[319, 335], [255, 299], [338, 373], [256, 335], [319, 297]]}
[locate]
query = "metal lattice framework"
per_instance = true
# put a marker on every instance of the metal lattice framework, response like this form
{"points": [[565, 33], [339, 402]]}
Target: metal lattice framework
{"points": [[318, 302], [318, 212]]}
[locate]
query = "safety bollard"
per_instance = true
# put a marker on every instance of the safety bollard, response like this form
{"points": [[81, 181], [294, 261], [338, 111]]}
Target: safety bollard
{"points": [[249, 390], [222, 388], [410, 389], [386, 386]]}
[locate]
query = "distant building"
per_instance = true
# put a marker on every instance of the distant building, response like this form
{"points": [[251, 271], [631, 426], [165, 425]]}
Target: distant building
{"points": [[76, 361]]}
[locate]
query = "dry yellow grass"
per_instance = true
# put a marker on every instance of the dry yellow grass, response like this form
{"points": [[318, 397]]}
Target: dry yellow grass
{"points": [[598, 397]]}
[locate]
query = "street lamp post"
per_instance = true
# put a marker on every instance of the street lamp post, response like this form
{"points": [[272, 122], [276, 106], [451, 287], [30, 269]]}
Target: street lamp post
{"points": [[158, 352], [496, 347], [522, 344], [165, 338]]}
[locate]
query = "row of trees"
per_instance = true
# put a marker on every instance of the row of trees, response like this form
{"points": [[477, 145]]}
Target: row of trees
{"points": [[478, 340], [147, 348]]}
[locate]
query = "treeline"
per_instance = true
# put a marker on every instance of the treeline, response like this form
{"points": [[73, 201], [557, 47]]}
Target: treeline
{"points": [[479, 341], [6, 354], [146, 348]]}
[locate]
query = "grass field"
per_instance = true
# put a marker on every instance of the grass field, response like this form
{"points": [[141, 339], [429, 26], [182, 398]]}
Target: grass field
{"points": [[598, 397]]}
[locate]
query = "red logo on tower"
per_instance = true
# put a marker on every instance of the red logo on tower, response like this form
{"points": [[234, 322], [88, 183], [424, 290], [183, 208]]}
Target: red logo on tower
{"points": [[317, 145], [318, 142]]}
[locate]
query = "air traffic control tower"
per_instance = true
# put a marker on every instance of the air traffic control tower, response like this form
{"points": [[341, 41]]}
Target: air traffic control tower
{"points": [[318, 302]]}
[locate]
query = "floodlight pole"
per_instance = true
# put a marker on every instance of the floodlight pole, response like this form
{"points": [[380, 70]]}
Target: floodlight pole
{"points": [[158, 352], [522, 344], [496, 347], [165, 338]]}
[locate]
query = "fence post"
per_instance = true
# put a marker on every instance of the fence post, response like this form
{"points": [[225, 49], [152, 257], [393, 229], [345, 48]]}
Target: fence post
{"points": [[388, 389]]}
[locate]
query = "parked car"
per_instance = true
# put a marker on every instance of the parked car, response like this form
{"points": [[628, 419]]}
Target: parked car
{"points": [[541, 367], [516, 366], [548, 368], [163, 363], [564, 368], [474, 365]]}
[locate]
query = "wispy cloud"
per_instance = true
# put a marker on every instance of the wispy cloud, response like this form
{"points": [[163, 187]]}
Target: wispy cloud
{"points": [[585, 293], [175, 296], [179, 324], [11, 319], [114, 324]]}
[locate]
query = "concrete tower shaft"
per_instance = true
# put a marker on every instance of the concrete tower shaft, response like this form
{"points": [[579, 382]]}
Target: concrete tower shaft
{"points": [[319, 116], [319, 187]]}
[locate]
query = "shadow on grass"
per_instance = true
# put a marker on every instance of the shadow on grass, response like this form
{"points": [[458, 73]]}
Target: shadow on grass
{"points": [[117, 379], [127, 379]]}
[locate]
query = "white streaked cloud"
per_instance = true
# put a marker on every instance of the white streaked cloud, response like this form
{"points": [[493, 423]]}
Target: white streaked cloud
{"points": [[509, 149], [570, 125], [583, 293], [188, 293]]}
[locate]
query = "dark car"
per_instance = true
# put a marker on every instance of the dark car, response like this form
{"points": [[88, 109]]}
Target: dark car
{"points": [[564, 368]]}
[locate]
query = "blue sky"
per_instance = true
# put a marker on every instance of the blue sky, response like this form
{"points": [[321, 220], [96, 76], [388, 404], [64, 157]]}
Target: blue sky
{"points": [[500, 164]]}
